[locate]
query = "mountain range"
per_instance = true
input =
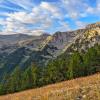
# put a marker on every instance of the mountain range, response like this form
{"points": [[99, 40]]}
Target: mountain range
{"points": [[23, 50], [50, 46]]}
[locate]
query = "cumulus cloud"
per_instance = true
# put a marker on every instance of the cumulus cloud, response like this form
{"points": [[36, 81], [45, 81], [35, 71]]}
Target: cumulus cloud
{"points": [[80, 24], [74, 8], [25, 4], [51, 8], [37, 32], [63, 26], [45, 16], [94, 10], [41, 16]]}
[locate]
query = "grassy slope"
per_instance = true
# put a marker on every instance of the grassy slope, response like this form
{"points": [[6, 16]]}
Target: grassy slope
{"points": [[86, 88]]}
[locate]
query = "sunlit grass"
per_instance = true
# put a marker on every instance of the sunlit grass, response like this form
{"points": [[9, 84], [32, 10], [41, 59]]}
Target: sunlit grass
{"points": [[86, 88]]}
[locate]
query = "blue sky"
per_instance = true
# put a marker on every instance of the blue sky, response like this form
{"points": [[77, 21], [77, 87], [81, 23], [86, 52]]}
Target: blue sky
{"points": [[37, 16]]}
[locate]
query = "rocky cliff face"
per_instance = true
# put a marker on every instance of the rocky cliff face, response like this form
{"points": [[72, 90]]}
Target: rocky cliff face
{"points": [[79, 40], [94, 25], [87, 39]]}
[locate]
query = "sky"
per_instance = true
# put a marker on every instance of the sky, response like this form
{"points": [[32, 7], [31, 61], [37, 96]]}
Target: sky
{"points": [[35, 17]]}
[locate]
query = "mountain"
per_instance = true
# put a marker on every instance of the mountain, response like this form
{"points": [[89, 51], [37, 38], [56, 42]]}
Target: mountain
{"points": [[10, 43], [41, 49], [12, 39], [15, 40], [18, 49], [85, 88], [48, 58]]}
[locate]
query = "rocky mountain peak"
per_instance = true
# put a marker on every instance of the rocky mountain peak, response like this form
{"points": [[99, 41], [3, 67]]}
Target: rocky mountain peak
{"points": [[94, 25]]}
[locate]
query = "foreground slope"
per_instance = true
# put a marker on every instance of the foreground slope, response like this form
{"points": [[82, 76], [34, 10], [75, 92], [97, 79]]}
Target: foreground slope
{"points": [[86, 88]]}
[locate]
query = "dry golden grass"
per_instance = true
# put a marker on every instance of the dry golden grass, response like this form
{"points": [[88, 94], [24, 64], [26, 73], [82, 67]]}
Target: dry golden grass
{"points": [[86, 88]]}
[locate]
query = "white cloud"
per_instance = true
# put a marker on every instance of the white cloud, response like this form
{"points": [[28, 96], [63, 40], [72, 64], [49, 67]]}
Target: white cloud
{"points": [[94, 10], [23, 17], [80, 24], [49, 7], [2, 22], [44, 15], [25, 4], [63, 26], [74, 8], [41, 17], [37, 32]]}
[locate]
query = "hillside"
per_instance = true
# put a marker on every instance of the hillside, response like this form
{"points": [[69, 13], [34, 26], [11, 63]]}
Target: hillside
{"points": [[85, 88]]}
